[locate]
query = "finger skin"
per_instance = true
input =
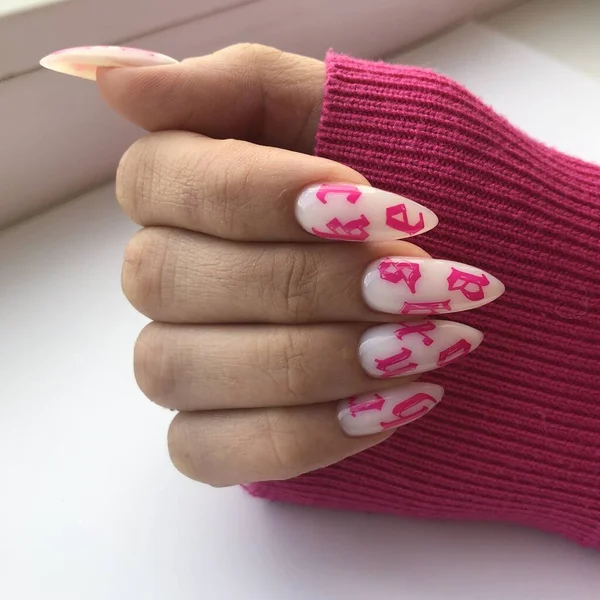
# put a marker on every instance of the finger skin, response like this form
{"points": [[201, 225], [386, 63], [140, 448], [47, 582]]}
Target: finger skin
{"points": [[226, 188], [231, 447], [246, 91], [187, 367], [176, 276]]}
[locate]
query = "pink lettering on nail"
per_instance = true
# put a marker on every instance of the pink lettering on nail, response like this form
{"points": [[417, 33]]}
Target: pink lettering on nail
{"points": [[459, 280], [402, 224], [424, 401], [375, 404], [388, 365], [425, 308], [395, 272], [419, 328], [453, 353], [352, 192], [352, 231]]}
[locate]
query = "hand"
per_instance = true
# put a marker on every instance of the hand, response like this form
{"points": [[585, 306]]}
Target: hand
{"points": [[261, 325]]}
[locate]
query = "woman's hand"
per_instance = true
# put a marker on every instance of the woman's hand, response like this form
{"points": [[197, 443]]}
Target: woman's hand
{"points": [[264, 316]]}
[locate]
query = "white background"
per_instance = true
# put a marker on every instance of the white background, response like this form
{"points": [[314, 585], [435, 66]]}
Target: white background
{"points": [[90, 507]]}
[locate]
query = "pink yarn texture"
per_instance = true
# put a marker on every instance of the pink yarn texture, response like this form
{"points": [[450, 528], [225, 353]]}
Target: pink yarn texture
{"points": [[517, 436]]}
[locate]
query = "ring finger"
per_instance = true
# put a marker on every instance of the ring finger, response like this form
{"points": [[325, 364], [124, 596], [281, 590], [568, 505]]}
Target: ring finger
{"points": [[199, 368]]}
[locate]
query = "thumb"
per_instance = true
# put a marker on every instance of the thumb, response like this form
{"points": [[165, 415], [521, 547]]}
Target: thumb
{"points": [[246, 91]]}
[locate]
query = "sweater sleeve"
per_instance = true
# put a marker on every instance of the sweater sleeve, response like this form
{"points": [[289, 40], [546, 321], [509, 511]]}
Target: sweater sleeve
{"points": [[517, 437]]}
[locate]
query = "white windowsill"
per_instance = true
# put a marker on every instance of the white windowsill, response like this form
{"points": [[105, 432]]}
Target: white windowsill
{"points": [[90, 505]]}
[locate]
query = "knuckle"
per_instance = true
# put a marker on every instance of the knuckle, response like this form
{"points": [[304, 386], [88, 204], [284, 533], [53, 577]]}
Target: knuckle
{"points": [[289, 363], [295, 283], [146, 277], [287, 448], [159, 177], [254, 53], [154, 367], [200, 454], [136, 175], [180, 445]]}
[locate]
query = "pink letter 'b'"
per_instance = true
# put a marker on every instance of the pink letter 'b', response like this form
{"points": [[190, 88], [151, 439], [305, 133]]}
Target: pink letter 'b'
{"points": [[459, 280], [396, 271], [402, 224], [352, 193], [425, 401]]}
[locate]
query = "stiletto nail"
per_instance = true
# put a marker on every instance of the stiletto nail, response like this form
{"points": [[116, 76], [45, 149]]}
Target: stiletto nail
{"points": [[83, 62], [394, 350], [373, 413], [427, 286], [357, 213]]}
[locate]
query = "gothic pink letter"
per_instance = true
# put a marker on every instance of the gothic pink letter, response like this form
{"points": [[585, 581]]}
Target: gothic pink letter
{"points": [[459, 280], [425, 308], [453, 353], [407, 329], [353, 231], [402, 224], [352, 193], [387, 364], [375, 404], [427, 403], [395, 271]]}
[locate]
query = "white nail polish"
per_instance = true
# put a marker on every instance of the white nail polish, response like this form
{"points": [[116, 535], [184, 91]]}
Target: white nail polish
{"points": [[377, 412], [358, 213], [84, 61], [427, 286], [396, 350]]}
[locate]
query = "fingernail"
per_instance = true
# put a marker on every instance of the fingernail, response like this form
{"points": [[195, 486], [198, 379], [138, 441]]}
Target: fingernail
{"points": [[394, 350], [373, 413], [83, 62], [357, 213], [427, 286]]}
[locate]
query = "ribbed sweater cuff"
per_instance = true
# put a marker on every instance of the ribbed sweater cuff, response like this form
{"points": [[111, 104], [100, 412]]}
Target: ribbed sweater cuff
{"points": [[517, 437]]}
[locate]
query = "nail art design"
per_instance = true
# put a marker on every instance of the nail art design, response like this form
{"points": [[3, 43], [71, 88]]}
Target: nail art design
{"points": [[83, 61], [394, 350], [373, 413], [427, 286], [356, 213]]}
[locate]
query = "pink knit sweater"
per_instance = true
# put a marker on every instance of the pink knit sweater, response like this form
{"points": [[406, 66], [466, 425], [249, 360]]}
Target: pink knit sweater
{"points": [[517, 438]]}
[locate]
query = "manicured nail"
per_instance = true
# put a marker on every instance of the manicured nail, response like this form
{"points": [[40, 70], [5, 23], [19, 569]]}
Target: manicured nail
{"points": [[427, 286], [373, 413], [83, 62], [357, 213], [399, 349]]}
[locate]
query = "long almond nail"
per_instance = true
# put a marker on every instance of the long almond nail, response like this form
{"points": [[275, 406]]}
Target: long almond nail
{"points": [[395, 350], [374, 413], [427, 286], [357, 213], [83, 62]]}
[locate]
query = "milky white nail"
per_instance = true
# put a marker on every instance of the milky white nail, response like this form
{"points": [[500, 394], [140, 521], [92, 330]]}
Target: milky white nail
{"points": [[427, 286], [358, 213], [83, 62], [376, 412], [399, 349]]}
